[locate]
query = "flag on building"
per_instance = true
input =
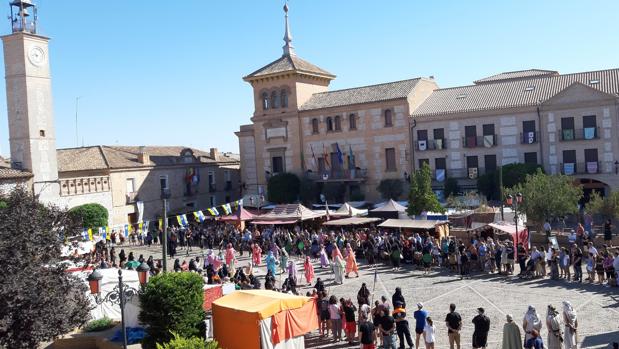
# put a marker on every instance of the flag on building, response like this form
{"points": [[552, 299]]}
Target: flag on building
{"points": [[351, 158], [325, 156], [340, 156], [314, 161]]}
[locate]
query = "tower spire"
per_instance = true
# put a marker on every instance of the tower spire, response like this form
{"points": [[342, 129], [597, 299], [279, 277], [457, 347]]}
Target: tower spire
{"points": [[288, 48]]}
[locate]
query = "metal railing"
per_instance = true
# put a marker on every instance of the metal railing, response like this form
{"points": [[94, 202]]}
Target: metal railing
{"points": [[578, 134], [588, 167], [431, 144], [485, 141], [461, 173], [337, 175]]}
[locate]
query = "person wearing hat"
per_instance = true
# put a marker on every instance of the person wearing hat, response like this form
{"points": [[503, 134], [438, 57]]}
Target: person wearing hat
{"points": [[420, 316], [512, 339], [401, 324], [482, 327]]}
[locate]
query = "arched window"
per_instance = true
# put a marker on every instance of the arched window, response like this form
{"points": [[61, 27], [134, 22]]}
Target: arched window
{"points": [[265, 101], [274, 100], [315, 126], [352, 122], [338, 123], [284, 97], [388, 118], [329, 124]]}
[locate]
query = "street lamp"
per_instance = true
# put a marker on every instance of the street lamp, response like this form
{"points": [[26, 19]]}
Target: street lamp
{"points": [[120, 294], [514, 205]]}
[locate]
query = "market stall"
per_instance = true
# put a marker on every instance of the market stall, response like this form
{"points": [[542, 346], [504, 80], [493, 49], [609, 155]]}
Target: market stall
{"points": [[239, 217], [287, 214], [351, 221], [347, 210], [438, 229], [263, 319], [390, 209]]}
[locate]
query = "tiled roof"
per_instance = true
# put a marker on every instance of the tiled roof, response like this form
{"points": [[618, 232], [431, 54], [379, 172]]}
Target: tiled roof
{"points": [[513, 93], [104, 157], [357, 95], [519, 74], [9, 173], [288, 63]]}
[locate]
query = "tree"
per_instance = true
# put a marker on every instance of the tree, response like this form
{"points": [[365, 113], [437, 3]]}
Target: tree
{"points": [[390, 188], [334, 191], [179, 342], [547, 196], [38, 299], [308, 191], [172, 302], [513, 174], [451, 187], [283, 188], [90, 215], [607, 207], [421, 198]]}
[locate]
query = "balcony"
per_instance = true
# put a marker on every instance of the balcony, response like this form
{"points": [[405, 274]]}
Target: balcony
{"points": [[573, 168], [529, 137], [131, 198], [356, 175], [579, 134], [430, 144], [462, 173], [486, 141]]}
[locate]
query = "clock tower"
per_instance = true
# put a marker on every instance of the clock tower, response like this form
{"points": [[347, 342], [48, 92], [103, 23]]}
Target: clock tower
{"points": [[29, 101]]}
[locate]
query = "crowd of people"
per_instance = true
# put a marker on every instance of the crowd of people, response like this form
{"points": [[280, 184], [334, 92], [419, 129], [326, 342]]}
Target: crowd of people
{"points": [[378, 322]]}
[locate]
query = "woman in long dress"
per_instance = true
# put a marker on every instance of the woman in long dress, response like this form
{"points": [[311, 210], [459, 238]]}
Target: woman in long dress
{"points": [[571, 326], [338, 265], [256, 254], [309, 270], [351, 261], [292, 271], [531, 322], [553, 322], [271, 261], [283, 260], [230, 258], [324, 258]]}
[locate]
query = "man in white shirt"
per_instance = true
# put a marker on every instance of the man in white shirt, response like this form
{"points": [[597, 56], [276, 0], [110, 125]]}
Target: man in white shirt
{"points": [[593, 250], [547, 229]]}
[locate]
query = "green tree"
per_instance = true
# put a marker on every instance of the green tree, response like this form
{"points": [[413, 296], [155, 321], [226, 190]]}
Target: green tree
{"points": [[283, 188], [308, 191], [547, 196], [39, 301], [513, 174], [607, 207], [421, 198], [90, 215], [390, 188], [334, 191], [451, 187], [179, 342], [172, 302]]}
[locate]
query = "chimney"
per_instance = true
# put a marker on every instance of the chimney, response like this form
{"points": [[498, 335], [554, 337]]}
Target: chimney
{"points": [[143, 157], [214, 153]]}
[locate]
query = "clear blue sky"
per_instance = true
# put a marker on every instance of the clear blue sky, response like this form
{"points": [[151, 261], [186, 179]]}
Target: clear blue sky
{"points": [[169, 73]]}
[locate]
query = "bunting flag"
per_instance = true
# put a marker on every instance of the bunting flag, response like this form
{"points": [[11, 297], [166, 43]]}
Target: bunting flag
{"points": [[213, 211], [146, 224], [103, 233], [140, 225], [182, 220], [85, 234], [199, 216], [126, 230], [227, 209], [108, 233], [90, 234], [235, 205], [160, 223]]}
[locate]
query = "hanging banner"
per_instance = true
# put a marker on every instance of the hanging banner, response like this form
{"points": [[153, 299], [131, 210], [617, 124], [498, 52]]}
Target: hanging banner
{"points": [[199, 216]]}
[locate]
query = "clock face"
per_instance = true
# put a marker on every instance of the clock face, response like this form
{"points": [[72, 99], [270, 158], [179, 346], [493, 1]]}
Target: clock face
{"points": [[36, 55]]}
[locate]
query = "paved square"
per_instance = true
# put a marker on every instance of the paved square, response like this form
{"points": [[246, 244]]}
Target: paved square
{"points": [[597, 306]]}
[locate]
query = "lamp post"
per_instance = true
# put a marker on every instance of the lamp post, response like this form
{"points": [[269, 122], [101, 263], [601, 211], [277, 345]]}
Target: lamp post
{"points": [[165, 195], [514, 205], [120, 294]]}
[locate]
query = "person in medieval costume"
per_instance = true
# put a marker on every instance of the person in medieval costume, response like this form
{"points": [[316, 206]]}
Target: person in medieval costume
{"points": [[283, 260], [230, 258], [256, 254], [275, 249], [292, 271], [511, 334], [324, 258], [309, 270], [338, 265], [271, 262], [571, 326], [351, 261], [553, 322], [531, 322]]}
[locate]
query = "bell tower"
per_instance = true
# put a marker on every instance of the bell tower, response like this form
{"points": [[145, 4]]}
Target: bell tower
{"points": [[29, 101]]}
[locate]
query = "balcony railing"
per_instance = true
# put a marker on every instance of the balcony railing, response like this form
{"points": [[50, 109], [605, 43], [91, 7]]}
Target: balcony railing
{"points": [[338, 175], [529, 137], [486, 141], [430, 144], [460, 173], [131, 197], [588, 167], [578, 134]]}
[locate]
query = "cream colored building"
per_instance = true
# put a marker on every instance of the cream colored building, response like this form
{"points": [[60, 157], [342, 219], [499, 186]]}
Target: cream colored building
{"points": [[567, 123]]}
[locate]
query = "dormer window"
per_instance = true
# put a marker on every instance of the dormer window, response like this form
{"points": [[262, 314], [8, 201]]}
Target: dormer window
{"points": [[265, 101], [274, 100], [284, 97]]}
